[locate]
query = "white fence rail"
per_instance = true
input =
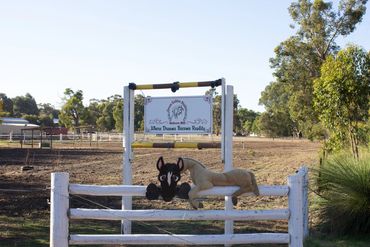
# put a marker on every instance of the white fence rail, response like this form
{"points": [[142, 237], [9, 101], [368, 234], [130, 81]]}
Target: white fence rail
{"points": [[96, 138], [296, 214], [168, 215], [163, 239]]}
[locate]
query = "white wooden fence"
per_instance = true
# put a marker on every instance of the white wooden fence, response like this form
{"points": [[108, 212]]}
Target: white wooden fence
{"points": [[296, 214]]}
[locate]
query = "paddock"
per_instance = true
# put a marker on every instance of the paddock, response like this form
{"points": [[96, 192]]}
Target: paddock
{"points": [[296, 214]]}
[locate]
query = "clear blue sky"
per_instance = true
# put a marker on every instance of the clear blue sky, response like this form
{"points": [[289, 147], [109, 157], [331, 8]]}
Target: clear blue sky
{"points": [[100, 46]]}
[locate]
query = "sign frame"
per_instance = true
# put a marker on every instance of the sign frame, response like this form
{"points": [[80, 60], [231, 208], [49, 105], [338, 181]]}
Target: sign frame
{"points": [[187, 121]]}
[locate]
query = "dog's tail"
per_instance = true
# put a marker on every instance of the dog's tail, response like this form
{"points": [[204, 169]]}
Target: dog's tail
{"points": [[254, 184]]}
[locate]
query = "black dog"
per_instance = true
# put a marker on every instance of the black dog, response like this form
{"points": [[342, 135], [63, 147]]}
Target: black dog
{"points": [[169, 176]]}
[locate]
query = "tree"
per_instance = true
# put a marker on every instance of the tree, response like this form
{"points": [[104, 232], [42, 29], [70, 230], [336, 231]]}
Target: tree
{"points": [[92, 112], [46, 114], [256, 126], [319, 25], [216, 112], [273, 125], [276, 98], [7, 105], [118, 115], [106, 121], [33, 119], [342, 97], [45, 120], [238, 125], [48, 109], [247, 127], [73, 110], [139, 112], [246, 118], [298, 60], [25, 105]]}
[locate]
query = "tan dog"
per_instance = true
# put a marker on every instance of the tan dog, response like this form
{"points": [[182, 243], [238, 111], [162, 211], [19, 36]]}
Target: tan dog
{"points": [[205, 179]]}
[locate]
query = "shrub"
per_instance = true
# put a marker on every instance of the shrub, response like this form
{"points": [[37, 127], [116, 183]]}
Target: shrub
{"points": [[344, 185]]}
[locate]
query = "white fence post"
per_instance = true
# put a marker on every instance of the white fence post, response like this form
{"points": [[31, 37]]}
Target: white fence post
{"points": [[228, 145], [295, 202], [128, 122], [59, 209], [304, 170]]}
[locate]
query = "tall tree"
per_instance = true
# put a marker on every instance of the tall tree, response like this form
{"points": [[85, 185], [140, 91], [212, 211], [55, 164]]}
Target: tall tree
{"points": [[92, 112], [73, 110], [106, 120], [25, 105], [342, 97], [298, 60], [276, 98], [246, 118], [272, 125]]}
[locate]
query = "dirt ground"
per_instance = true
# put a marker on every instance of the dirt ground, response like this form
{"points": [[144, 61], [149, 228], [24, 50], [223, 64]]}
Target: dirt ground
{"points": [[26, 192]]}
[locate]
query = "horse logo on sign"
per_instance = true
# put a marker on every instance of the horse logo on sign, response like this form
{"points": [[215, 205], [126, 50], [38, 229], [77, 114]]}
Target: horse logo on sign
{"points": [[177, 112]]}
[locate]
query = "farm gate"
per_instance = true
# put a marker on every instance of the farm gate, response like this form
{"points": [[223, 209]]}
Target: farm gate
{"points": [[296, 214]]}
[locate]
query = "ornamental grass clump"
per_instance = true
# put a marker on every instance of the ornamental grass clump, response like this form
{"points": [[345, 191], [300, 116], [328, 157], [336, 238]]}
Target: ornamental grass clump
{"points": [[344, 186]]}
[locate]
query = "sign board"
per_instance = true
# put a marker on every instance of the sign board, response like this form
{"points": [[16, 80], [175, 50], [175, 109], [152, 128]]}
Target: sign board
{"points": [[178, 115]]}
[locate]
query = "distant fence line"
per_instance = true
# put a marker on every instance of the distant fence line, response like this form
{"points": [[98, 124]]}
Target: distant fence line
{"points": [[98, 137], [109, 137]]}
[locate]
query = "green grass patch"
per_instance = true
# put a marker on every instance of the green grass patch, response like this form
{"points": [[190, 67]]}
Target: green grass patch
{"points": [[24, 231], [348, 241]]}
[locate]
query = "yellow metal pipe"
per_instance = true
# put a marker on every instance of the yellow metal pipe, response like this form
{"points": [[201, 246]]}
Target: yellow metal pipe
{"points": [[186, 145], [188, 84], [142, 145], [144, 86]]}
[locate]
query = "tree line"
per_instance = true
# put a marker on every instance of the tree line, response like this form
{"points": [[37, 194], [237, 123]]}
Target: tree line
{"points": [[107, 114]]}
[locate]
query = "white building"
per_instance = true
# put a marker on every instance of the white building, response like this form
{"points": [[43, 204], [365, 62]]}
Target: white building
{"points": [[10, 125]]}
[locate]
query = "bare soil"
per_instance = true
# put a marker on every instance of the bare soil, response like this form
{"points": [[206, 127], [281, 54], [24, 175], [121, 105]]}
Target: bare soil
{"points": [[24, 193]]}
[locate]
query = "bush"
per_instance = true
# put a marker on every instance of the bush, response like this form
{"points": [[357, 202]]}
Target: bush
{"points": [[344, 185]]}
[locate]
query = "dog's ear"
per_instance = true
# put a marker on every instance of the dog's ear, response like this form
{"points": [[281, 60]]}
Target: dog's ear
{"points": [[160, 163], [180, 164]]}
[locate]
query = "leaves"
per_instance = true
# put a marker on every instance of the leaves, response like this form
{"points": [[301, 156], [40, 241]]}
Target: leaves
{"points": [[25, 105], [298, 59], [342, 95], [73, 109]]}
